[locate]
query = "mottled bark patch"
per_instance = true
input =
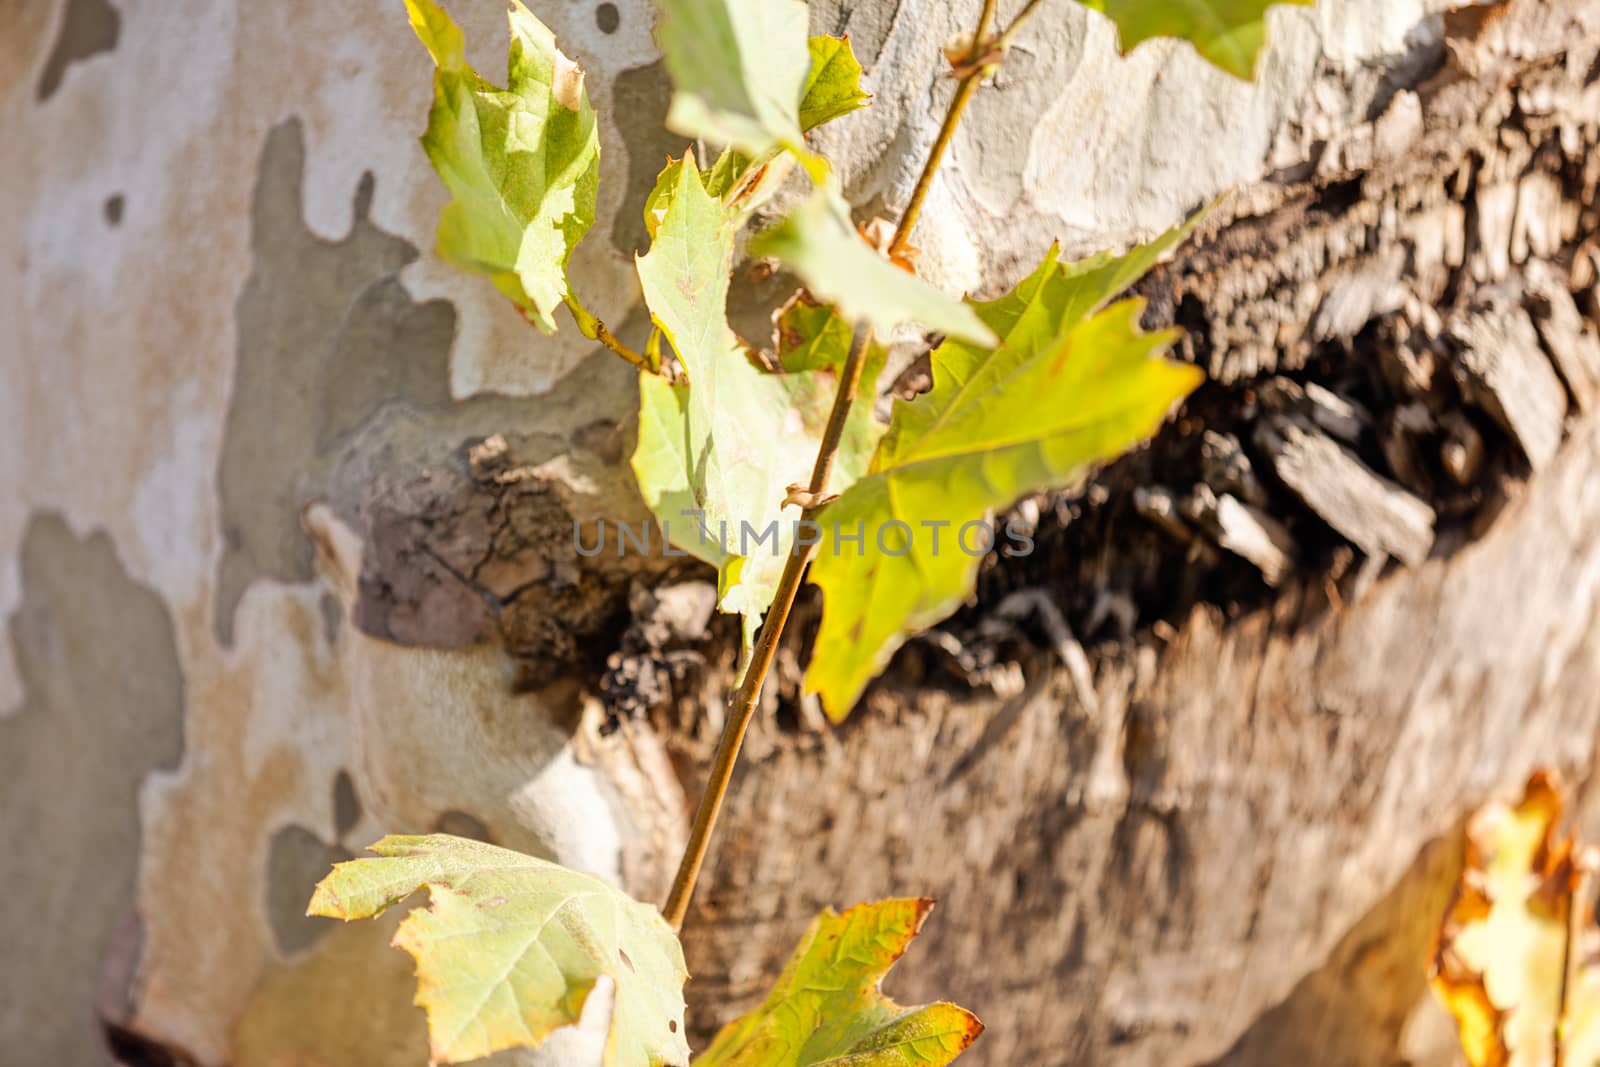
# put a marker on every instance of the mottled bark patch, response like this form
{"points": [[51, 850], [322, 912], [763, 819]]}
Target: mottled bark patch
{"points": [[88, 28], [346, 804], [298, 860], [104, 707], [639, 103], [327, 338]]}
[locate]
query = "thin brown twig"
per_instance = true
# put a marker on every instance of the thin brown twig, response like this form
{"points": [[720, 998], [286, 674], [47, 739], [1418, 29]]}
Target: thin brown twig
{"points": [[1003, 42], [947, 130], [749, 692], [595, 330]]}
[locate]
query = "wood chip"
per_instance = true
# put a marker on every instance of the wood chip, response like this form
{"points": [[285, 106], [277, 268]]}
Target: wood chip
{"points": [[1568, 337], [1462, 453], [1502, 369], [1366, 509], [1252, 534], [1399, 438], [1225, 467]]}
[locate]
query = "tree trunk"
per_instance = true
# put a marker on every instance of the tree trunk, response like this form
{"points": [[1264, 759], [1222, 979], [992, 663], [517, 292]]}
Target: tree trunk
{"points": [[289, 554]]}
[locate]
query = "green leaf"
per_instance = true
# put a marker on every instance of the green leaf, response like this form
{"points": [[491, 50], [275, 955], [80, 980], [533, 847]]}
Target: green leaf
{"points": [[1230, 33], [818, 243], [728, 444], [827, 1008], [522, 163], [833, 84], [832, 89], [738, 68], [1069, 386], [512, 946], [810, 336]]}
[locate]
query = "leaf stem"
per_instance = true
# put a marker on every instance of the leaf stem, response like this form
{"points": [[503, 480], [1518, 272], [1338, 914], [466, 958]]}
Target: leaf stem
{"points": [[749, 692], [595, 330]]}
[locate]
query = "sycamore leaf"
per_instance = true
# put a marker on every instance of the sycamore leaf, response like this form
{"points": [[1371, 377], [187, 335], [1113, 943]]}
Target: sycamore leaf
{"points": [[715, 457], [1501, 960], [826, 1008], [1230, 33], [818, 243], [522, 163], [833, 84], [810, 336], [1069, 386], [512, 946], [738, 69], [832, 89]]}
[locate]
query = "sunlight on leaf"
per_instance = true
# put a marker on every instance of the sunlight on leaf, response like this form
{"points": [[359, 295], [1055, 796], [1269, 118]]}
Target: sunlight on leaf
{"points": [[738, 69], [818, 242], [715, 456], [522, 163], [511, 947], [826, 1008], [833, 84], [1069, 386], [1515, 961], [1230, 33]]}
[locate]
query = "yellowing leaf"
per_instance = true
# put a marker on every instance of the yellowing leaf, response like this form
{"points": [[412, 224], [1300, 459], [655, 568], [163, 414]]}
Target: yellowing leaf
{"points": [[833, 84], [512, 946], [1230, 33], [826, 1008], [715, 457], [1069, 386], [818, 243], [1501, 961], [738, 68], [522, 163]]}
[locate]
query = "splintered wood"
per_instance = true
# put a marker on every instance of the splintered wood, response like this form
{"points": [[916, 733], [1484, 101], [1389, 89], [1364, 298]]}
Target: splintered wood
{"points": [[1373, 513]]}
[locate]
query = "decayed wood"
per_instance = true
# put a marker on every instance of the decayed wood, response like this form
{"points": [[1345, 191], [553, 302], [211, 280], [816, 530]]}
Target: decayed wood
{"points": [[1502, 368], [1568, 338], [1237, 852], [1374, 513], [1255, 535]]}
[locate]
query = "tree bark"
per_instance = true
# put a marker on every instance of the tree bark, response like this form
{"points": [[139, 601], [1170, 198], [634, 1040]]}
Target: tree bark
{"points": [[289, 559]]}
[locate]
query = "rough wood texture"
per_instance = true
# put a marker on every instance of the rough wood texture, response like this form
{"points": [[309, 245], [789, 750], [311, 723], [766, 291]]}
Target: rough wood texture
{"points": [[1375, 515], [1503, 369], [247, 415], [1235, 853]]}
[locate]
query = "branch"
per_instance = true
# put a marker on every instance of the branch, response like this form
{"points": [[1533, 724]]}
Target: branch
{"points": [[755, 675], [979, 64]]}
